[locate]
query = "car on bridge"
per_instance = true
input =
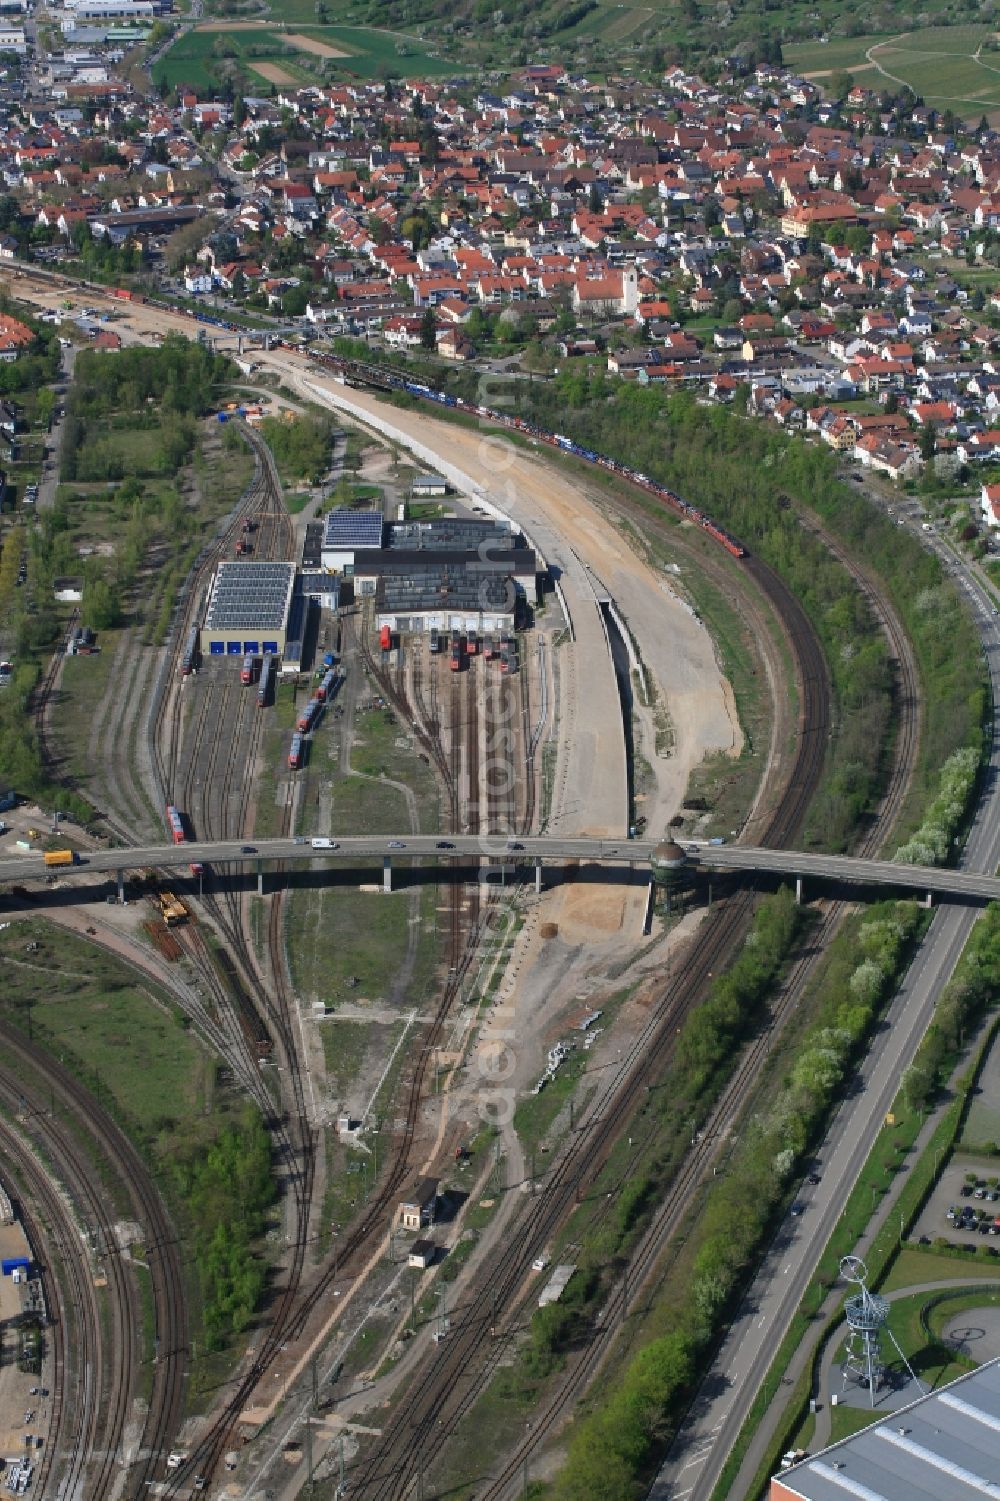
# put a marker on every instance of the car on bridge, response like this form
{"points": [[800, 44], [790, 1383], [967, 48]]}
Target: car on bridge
{"points": [[396, 844]]}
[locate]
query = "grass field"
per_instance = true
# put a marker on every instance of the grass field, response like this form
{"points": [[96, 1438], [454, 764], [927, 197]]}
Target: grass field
{"points": [[133, 1051], [950, 67], [202, 58]]}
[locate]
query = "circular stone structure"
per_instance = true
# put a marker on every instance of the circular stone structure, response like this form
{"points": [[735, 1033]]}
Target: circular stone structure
{"points": [[667, 862]]}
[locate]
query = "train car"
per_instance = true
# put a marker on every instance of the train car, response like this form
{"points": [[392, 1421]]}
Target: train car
{"points": [[266, 679], [455, 662], [472, 643], [248, 671], [192, 653], [296, 752], [176, 825], [385, 638], [196, 868], [435, 643], [305, 720], [249, 525], [489, 648], [326, 686]]}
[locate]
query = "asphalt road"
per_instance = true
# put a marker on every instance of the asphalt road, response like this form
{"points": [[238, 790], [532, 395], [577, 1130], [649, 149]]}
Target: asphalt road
{"points": [[27, 865], [694, 1464]]}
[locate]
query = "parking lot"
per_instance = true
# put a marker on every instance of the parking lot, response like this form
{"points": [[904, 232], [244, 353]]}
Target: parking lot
{"points": [[965, 1206]]}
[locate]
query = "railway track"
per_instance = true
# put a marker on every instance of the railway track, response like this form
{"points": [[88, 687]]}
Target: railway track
{"points": [[584, 1364], [441, 1403], [162, 1258], [72, 1431], [114, 1380]]}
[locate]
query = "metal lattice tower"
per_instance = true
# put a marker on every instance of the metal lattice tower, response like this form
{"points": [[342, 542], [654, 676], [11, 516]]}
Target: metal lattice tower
{"points": [[867, 1316]]}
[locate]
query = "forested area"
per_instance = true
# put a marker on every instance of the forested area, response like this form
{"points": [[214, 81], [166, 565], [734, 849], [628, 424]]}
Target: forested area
{"points": [[613, 1448], [131, 422], [301, 447], [163, 389], [971, 991], [227, 1190]]}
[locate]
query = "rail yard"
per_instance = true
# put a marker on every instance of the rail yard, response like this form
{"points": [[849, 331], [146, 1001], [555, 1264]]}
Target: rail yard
{"points": [[278, 697]]}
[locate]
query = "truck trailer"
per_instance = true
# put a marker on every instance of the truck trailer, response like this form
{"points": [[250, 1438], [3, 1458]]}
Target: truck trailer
{"points": [[60, 857]]}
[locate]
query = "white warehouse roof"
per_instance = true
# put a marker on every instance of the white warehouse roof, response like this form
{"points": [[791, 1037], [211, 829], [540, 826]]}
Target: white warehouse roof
{"points": [[943, 1447]]}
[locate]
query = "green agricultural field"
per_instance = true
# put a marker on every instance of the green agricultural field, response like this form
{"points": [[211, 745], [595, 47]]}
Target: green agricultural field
{"points": [[202, 57], [950, 67], [599, 35]]}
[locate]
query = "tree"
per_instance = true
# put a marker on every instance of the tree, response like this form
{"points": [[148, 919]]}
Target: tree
{"points": [[102, 605], [294, 302], [841, 84], [428, 329], [928, 442]]}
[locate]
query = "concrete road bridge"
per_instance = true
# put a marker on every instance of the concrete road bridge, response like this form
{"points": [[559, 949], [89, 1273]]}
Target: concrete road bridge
{"points": [[624, 856]]}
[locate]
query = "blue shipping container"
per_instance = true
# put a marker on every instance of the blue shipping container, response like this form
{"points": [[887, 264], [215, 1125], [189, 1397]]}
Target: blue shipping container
{"points": [[14, 1264]]}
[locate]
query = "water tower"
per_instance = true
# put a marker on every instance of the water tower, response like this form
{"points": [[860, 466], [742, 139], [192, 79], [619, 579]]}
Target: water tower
{"points": [[867, 1316], [667, 862]]}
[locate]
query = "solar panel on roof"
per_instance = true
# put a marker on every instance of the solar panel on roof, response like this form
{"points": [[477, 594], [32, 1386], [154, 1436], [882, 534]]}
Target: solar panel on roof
{"points": [[250, 596], [353, 529]]}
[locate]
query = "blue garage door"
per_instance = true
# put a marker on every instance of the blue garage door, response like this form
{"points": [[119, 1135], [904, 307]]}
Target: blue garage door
{"points": [[216, 648], [271, 648], [251, 647], [234, 649]]}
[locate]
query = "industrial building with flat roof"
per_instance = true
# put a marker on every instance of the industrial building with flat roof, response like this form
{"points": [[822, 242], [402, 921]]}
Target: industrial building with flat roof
{"points": [[248, 609], [453, 573], [443, 596], [347, 532], [943, 1447]]}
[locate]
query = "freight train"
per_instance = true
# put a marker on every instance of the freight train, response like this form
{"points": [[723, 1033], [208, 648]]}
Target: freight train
{"points": [[307, 716], [192, 653], [248, 671], [296, 752], [358, 372], [326, 686]]}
